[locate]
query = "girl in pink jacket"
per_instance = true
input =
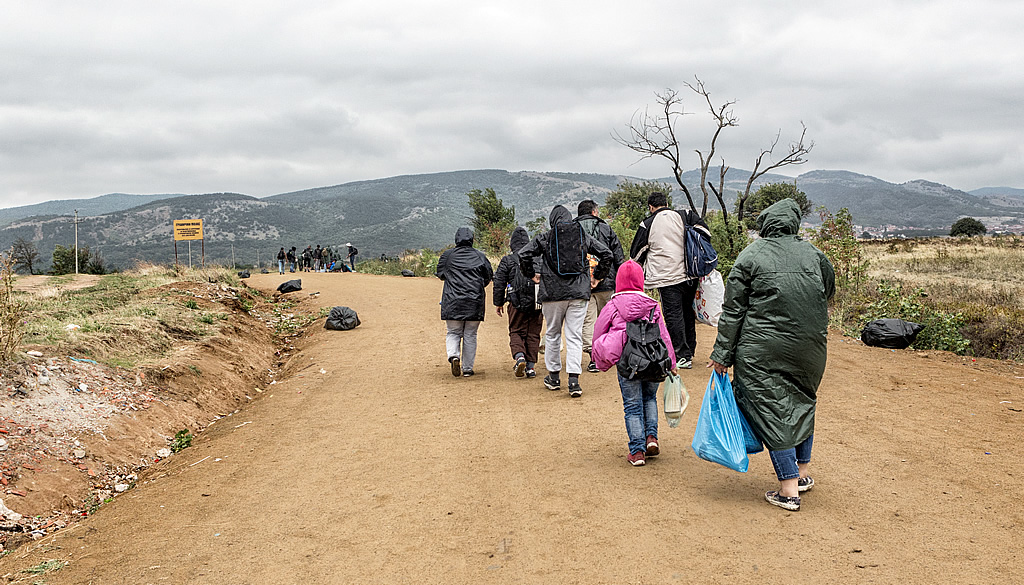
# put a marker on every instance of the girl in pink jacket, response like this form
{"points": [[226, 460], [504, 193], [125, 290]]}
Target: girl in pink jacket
{"points": [[639, 398]]}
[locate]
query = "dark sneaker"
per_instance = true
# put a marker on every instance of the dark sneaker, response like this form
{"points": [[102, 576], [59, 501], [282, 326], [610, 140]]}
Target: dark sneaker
{"points": [[636, 459], [467, 373], [456, 366], [520, 368], [776, 499], [804, 484], [592, 368], [552, 383], [531, 373], [574, 388], [684, 363], [652, 446]]}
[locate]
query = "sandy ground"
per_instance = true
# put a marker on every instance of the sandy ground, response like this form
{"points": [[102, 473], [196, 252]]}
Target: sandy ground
{"points": [[369, 463]]}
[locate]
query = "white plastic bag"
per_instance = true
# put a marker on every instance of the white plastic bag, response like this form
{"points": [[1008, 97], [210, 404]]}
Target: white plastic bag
{"points": [[707, 303], [676, 399]]}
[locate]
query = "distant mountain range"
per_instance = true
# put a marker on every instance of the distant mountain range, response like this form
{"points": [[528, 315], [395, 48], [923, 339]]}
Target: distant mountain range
{"points": [[422, 211]]}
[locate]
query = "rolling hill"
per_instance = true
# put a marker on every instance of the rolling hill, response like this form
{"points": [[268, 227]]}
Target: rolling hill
{"points": [[422, 211]]}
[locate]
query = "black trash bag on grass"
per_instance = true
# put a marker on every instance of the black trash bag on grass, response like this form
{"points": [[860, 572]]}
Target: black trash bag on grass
{"points": [[890, 333]]}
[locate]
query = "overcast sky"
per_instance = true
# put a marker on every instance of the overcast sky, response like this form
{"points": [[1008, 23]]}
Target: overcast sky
{"points": [[267, 97]]}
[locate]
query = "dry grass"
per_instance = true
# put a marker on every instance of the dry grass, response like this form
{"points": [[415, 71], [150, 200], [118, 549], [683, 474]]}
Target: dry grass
{"points": [[980, 278], [126, 318], [989, 271]]}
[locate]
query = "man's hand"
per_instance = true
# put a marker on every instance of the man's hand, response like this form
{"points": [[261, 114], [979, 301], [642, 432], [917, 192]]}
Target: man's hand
{"points": [[500, 308], [721, 369], [536, 279], [594, 282]]}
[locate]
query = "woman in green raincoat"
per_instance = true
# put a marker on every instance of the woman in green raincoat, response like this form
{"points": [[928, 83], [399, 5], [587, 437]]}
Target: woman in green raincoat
{"points": [[773, 331]]}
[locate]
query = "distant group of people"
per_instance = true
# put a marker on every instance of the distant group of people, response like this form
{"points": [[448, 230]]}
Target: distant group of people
{"points": [[316, 259], [575, 278]]}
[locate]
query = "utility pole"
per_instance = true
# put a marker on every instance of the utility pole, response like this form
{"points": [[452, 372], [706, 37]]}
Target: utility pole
{"points": [[76, 242], [233, 256]]}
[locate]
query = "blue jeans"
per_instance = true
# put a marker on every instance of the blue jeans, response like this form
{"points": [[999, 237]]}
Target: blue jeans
{"points": [[640, 406], [785, 461], [280, 266]]}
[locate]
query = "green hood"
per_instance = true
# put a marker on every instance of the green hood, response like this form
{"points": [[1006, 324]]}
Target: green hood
{"points": [[781, 218]]}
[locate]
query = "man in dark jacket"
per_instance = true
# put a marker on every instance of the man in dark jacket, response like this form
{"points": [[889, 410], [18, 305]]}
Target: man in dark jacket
{"points": [[596, 228], [563, 293], [524, 316], [466, 272], [291, 259], [774, 329]]}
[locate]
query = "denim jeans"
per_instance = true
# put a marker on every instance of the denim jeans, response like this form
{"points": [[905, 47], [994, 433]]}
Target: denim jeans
{"points": [[280, 266], [640, 406], [785, 461], [462, 333]]}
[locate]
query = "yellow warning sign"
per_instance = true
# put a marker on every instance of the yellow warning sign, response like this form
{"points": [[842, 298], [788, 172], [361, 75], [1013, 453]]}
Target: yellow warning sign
{"points": [[188, 229]]}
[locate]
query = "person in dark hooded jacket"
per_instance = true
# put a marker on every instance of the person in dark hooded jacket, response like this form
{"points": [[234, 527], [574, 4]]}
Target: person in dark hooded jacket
{"points": [[596, 228], [524, 317], [773, 330], [563, 296], [466, 272]]}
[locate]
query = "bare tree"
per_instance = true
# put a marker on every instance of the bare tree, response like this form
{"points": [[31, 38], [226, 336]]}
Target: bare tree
{"points": [[657, 135], [25, 255], [795, 156]]}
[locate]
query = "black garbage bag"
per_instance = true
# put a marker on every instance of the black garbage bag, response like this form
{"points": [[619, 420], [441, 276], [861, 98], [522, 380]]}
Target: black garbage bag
{"points": [[243, 274], [341, 319], [290, 286], [890, 333], [408, 272]]}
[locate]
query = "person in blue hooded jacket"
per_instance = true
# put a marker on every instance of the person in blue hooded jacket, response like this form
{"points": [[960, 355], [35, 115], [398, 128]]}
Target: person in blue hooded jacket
{"points": [[466, 272]]}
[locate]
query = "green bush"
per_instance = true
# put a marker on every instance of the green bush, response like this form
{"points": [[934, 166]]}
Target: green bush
{"points": [[942, 330], [422, 263]]}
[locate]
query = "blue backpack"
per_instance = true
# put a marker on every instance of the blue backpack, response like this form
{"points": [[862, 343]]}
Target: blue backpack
{"points": [[701, 257]]}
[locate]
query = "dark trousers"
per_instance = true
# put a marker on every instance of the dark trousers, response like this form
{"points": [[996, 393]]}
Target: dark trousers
{"points": [[524, 329], [680, 320]]}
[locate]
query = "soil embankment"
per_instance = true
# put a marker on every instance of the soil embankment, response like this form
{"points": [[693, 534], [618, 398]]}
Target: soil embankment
{"points": [[368, 462]]}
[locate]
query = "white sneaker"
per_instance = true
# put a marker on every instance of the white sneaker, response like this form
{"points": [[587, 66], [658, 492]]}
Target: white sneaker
{"points": [[684, 364]]}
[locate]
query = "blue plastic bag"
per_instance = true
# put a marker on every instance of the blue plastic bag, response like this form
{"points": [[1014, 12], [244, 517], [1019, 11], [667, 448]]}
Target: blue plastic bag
{"points": [[720, 436]]}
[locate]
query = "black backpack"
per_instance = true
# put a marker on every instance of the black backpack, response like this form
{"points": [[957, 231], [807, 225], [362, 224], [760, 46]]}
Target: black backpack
{"points": [[523, 291], [565, 254], [645, 356]]}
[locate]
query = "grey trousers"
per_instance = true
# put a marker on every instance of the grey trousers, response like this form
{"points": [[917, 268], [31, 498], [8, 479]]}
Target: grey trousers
{"points": [[572, 313], [462, 333]]}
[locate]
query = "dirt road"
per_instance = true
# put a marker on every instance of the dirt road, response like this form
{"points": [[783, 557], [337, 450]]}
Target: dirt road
{"points": [[369, 463]]}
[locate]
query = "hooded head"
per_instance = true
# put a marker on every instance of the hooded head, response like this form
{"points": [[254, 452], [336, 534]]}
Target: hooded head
{"points": [[519, 238], [464, 237], [781, 218], [559, 215], [629, 277]]}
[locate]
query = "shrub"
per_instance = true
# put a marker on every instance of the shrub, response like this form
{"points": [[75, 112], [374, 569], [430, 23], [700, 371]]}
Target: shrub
{"points": [[13, 311], [942, 330]]}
